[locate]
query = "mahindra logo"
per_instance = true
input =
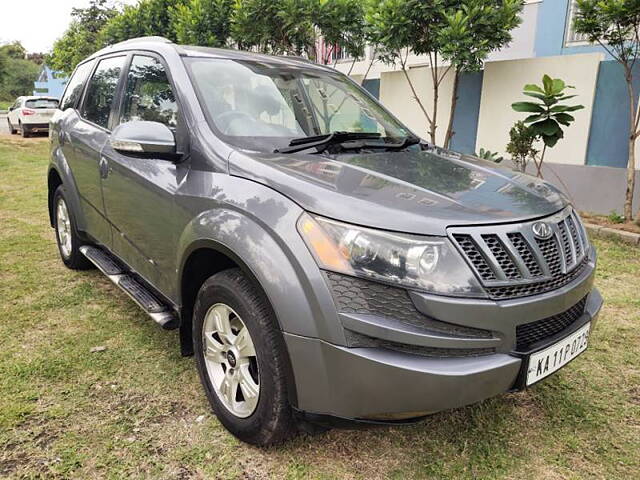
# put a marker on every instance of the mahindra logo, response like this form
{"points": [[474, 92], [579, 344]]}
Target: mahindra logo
{"points": [[542, 230]]}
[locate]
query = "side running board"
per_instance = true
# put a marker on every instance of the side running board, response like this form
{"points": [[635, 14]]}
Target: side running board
{"points": [[159, 312]]}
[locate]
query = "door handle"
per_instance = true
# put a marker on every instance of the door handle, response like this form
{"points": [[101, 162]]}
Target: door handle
{"points": [[104, 167]]}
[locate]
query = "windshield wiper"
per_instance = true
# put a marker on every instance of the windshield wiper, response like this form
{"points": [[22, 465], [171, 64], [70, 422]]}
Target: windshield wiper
{"points": [[405, 143], [321, 142]]}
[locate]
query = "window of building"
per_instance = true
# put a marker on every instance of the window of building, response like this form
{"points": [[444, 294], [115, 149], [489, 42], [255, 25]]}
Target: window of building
{"points": [[571, 37]]}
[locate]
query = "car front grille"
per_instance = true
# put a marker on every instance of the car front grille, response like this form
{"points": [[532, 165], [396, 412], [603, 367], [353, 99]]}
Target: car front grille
{"points": [[535, 333], [511, 261]]}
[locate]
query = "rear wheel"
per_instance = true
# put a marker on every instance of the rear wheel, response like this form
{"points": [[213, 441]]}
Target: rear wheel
{"points": [[24, 131], [240, 355], [67, 237]]}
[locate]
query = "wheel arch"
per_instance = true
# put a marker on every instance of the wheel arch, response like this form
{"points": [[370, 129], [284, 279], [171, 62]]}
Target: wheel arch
{"points": [[54, 180], [204, 258]]}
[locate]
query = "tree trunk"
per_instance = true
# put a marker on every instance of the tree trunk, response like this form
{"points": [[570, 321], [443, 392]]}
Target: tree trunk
{"points": [[454, 101], [415, 96], [631, 179], [539, 164], [631, 163]]}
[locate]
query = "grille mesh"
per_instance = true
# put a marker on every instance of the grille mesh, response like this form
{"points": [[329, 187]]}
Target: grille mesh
{"points": [[535, 333], [473, 253], [355, 295], [511, 261], [526, 289], [502, 257]]}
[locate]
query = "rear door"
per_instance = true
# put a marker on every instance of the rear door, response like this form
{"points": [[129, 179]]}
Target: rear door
{"points": [[15, 112], [89, 136], [139, 192]]}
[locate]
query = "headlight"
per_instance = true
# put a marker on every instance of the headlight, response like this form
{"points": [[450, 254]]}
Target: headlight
{"points": [[416, 262]]}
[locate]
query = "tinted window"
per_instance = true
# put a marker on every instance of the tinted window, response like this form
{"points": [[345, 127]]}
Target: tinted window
{"points": [[102, 90], [74, 87], [44, 103], [148, 95]]}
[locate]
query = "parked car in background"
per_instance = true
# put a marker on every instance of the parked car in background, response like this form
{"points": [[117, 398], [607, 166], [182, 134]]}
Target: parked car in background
{"points": [[320, 260], [31, 114]]}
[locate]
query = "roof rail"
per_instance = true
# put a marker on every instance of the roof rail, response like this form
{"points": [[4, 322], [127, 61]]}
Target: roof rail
{"points": [[145, 39]]}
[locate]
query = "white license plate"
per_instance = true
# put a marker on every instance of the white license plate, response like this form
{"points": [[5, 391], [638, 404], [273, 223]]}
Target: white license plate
{"points": [[556, 356]]}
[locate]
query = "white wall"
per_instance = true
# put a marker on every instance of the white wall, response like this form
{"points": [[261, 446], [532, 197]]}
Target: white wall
{"points": [[396, 95], [502, 85]]}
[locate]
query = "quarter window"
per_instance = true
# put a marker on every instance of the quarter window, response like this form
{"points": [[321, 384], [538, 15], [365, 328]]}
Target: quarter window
{"points": [[74, 87], [149, 95], [102, 90]]}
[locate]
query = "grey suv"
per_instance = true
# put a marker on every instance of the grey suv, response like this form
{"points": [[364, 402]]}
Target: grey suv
{"points": [[322, 263]]}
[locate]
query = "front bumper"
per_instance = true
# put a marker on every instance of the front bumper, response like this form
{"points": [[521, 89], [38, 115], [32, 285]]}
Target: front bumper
{"points": [[384, 384]]}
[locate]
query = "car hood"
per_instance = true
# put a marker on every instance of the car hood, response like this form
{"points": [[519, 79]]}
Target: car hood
{"points": [[420, 192]]}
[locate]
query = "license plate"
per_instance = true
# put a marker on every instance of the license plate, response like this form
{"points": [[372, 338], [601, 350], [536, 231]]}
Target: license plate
{"points": [[547, 361]]}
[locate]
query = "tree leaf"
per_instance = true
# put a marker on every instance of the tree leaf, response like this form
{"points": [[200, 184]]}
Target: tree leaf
{"points": [[547, 127], [564, 118], [548, 84], [535, 118], [527, 107], [566, 108], [551, 140], [530, 87], [540, 96], [558, 85]]}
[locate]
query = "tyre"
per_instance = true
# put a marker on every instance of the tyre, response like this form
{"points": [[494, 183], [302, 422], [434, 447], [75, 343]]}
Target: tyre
{"points": [[24, 131], [12, 130], [67, 237], [242, 360]]}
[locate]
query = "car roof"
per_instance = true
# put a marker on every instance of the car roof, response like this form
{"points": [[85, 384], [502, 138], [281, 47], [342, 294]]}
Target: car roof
{"points": [[159, 44], [39, 97]]}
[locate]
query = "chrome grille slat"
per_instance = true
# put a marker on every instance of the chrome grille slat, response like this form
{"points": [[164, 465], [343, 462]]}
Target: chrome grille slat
{"points": [[512, 262]]}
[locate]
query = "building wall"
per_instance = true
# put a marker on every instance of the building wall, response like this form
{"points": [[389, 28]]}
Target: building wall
{"points": [[503, 83], [396, 95]]}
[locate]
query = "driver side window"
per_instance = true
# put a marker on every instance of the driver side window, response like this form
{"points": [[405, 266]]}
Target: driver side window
{"points": [[148, 94]]}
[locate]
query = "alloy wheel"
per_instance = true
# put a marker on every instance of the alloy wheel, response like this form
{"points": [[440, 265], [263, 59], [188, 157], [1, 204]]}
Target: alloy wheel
{"points": [[230, 360]]}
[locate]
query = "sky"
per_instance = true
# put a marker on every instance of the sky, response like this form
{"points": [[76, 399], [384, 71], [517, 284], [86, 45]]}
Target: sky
{"points": [[38, 23]]}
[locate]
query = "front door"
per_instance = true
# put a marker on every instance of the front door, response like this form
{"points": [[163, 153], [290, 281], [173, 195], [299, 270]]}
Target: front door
{"points": [[88, 137], [138, 192]]}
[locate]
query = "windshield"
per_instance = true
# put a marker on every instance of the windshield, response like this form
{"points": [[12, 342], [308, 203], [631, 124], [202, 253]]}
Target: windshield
{"points": [[264, 106], [42, 103]]}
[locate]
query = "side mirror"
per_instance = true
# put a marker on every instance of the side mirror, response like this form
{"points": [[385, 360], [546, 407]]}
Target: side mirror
{"points": [[142, 138], [11, 109]]}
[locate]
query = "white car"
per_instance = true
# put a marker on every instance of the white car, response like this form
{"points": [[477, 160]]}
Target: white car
{"points": [[31, 114]]}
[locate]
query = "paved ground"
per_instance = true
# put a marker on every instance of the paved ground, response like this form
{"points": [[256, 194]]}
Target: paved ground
{"points": [[4, 129]]}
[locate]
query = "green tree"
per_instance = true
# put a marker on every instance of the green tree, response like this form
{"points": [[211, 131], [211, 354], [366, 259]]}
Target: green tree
{"points": [[470, 33], [342, 25], [460, 32], [203, 22], [147, 18], [83, 37], [18, 79], [521, 145], [14, 50], [547, 114], [275, 26], [615, 25]]}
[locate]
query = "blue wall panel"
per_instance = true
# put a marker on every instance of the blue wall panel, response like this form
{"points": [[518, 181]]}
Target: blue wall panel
{"points": [[609, 132], [372, 85], [465, 117]]}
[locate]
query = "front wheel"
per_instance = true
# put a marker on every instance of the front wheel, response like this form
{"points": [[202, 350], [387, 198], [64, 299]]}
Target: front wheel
{"points": [[12, 130], [241, 359], [67, 238]]}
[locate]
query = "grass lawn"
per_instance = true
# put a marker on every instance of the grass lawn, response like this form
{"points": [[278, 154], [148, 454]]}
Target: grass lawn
{"points": [[5, 104], [137, 410]]}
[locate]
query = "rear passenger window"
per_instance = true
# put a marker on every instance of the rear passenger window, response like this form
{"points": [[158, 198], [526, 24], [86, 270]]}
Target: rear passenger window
{"points": [[74, 87], [148, 95], [102, 90]]}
